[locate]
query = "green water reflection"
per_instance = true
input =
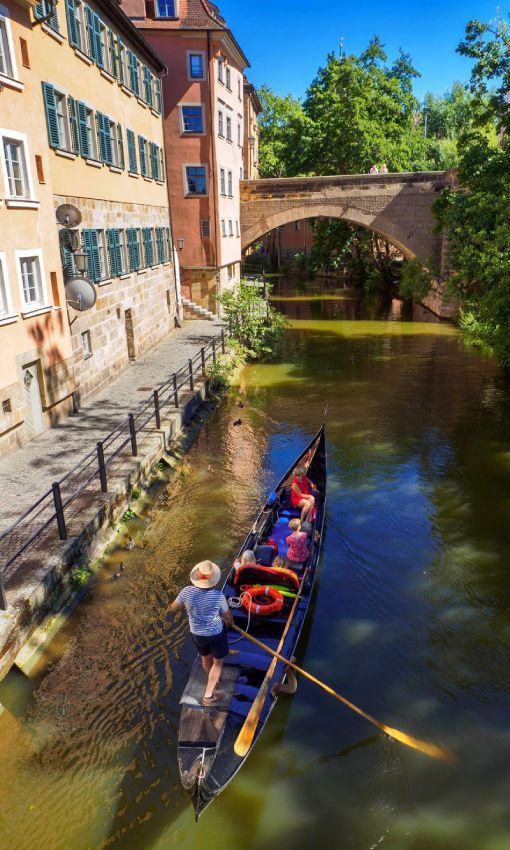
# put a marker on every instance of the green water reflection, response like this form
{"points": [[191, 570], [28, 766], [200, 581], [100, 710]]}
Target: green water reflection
{"points": [[411, 619]]}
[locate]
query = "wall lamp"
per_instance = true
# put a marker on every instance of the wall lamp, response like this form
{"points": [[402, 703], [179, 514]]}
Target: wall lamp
{"points": [[180, 244]]}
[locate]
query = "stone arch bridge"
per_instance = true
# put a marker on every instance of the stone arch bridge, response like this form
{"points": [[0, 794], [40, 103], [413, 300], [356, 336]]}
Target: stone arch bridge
{"points": [[396, 206]]}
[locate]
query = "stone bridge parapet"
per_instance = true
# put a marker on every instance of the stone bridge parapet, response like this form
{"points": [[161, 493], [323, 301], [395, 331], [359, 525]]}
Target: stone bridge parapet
{"points": [[396, 206]]}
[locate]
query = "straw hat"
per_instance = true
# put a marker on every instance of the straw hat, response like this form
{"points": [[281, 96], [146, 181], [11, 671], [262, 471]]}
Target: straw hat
{"points": [[205, 574]]}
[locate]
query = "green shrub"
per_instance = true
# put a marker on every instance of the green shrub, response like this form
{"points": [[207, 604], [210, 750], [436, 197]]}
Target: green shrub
{"points": [[80, 576], [253, 323], [129, 514]]}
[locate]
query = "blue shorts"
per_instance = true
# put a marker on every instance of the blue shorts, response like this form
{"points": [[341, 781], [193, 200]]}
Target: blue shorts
{"points": [[215, 645]]}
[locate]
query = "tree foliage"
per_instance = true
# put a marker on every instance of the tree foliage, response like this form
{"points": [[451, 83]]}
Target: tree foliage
{"points": [[255, 325], [476, 217]]}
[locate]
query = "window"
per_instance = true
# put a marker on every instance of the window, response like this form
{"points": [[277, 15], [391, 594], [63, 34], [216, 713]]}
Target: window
{"points": [[43, 9], [134, 73], [231, 271], [192, 119], [223, 227], [165, 9], [161, 245], [239, 140], [241, 173], [56, 117], [122, 62], [91, 134], [196, 66], [230, 184], [86, 345], [239, 91], [29, 269], [221, 63], [76, 24], [7, 61], [133, 249], [223, 190], [205, 227], [116, 252], [147, 86], [117, 145], [94, 244], [220, 122], [148, 245], [228, 78], [230, 228], [237, 229], [16, 168], [196, 181], [139, 248], [229, 128], [5, 309], [298, 225]]}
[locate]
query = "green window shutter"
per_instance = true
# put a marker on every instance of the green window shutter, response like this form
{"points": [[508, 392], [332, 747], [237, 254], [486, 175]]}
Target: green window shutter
{"points": [[113, 53], [131, 152], [90, 33], [51, 115], [120, 67], [159, 244], [68, 264], [143, 158], [120, 145], [114, 252], [98, 50], [167, 243], [105, 139], [148, 245], [73, 120], [154, 161], [158, 95], [133, 251], [82, 128], [147, 84], [71, 23], [41, 10], [90, 243], [134, 79]]}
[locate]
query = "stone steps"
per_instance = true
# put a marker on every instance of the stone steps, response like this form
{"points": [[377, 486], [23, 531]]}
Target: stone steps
{"points": [[194, 311]]}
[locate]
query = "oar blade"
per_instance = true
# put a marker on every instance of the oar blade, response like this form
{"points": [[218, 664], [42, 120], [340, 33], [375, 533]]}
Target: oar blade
{"points": [[246, 735], [422, 746]]}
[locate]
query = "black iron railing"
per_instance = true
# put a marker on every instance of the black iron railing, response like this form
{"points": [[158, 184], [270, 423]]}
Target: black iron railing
{"points": [[57, 509]]}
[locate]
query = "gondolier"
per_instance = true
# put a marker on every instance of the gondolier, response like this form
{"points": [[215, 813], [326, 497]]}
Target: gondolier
{"points": [[209, 616]]}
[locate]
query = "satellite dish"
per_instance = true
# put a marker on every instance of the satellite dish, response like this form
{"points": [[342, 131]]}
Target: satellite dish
{"points": [[80, 294], [68, 216]]}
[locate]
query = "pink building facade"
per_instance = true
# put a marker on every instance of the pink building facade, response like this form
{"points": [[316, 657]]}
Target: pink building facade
{"points": [[203, 97]]}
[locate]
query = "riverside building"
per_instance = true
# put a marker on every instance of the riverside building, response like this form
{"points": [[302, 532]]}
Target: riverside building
{"points": [[204, 137], [81, 124]]}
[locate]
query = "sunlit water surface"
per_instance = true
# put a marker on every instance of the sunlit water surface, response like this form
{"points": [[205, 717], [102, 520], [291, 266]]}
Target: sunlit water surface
{"points": [[411, 617]]}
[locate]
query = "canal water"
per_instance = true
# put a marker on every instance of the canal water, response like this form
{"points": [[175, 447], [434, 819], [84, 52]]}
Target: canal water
{"points": [[411, 618]]}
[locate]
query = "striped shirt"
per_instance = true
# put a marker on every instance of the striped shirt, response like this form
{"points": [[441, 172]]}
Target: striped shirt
{"points": [[204, 606]]}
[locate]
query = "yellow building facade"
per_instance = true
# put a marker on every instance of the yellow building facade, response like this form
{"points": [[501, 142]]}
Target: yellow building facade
{"points": [[90, 109]]}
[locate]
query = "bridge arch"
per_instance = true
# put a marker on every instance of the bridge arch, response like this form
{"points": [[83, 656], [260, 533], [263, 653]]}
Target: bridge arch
{"points": [[396, 206]]}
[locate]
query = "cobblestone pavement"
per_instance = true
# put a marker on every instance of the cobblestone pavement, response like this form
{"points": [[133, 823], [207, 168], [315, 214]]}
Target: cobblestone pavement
{"points": [[28, 472]]}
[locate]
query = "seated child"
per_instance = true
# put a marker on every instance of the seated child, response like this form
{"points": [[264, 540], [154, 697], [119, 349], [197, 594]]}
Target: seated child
{"points": [[297, 553], [248, 557], [279, 563]]}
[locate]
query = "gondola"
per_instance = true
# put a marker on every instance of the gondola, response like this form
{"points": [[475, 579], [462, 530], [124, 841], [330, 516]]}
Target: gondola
{"points": [[207, 736]]}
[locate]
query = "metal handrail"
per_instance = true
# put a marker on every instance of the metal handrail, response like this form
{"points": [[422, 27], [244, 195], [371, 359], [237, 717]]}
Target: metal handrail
{"points": [[183, 376]]}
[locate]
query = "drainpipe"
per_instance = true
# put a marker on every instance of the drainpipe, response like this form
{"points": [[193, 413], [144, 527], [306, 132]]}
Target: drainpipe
{"points": [[214, 162]]}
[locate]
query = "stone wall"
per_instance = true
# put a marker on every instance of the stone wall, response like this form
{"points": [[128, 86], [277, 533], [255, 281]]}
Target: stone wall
{"points": [[138, 306]]}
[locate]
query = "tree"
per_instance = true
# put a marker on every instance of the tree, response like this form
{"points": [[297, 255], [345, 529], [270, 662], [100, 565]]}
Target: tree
{"points": [[476, 218], [283, 129]]}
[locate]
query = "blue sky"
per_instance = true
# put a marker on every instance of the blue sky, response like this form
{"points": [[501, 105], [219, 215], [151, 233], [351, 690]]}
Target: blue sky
{"points": [[286, 42]]}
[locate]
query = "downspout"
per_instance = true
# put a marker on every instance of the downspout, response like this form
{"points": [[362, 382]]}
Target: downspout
{"points": [[214, 163], [175, 254]]}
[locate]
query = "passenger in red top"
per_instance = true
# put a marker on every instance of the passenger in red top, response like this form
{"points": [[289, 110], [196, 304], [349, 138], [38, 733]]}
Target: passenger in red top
{"points": [[301, 495], [297, 553]]}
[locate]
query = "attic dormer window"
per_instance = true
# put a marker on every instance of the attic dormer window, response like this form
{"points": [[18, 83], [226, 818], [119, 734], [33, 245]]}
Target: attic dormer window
{"points": [[165, 8]]}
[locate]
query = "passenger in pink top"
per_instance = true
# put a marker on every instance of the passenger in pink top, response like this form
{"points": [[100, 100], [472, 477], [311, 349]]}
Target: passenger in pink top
{"points": [[297, 553]]}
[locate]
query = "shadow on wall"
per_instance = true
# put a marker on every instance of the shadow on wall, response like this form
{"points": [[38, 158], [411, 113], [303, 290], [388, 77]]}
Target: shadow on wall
{"points": [[58, 374]]}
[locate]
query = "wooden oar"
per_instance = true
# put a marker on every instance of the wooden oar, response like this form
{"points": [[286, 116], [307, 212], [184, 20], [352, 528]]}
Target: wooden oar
{"points": [[245, 737], [423, 746]]}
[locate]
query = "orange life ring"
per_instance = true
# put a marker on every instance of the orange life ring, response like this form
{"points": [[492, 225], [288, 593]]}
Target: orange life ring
{"points": [[249, 600]]}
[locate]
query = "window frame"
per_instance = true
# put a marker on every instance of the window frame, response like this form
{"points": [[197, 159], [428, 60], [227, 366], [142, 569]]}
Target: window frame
{"points": [[230, 184], [223, 183], [221, 68], [5, 19], [230, 227], [87, 350], [193, 77], [221, 126], [22, 139], [6, 298], [184, 131], [187, 193], [223, 227], [42, 303], [228, 135], [228, 77], [158, 17]]}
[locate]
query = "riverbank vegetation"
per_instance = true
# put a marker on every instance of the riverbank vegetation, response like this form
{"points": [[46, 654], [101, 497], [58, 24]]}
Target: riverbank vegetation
{"points": [[255, 326], [361, 111]]}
